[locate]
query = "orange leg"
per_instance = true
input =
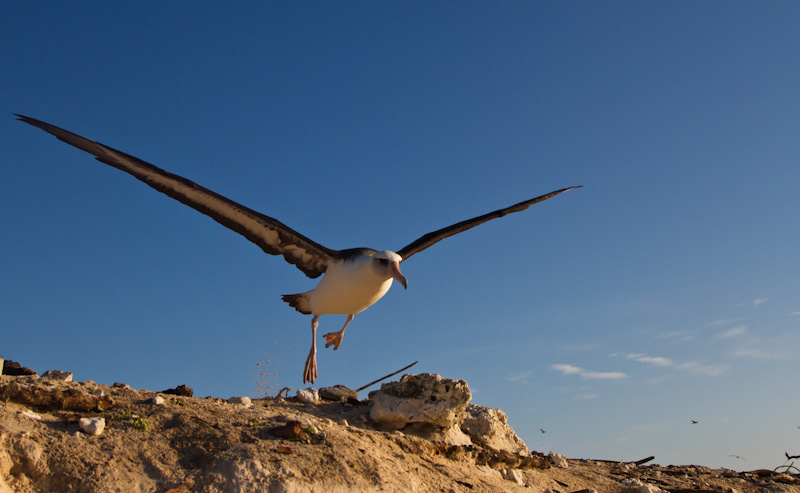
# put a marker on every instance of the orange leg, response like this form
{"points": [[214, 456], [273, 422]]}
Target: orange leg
{"points": [[310, 371]]}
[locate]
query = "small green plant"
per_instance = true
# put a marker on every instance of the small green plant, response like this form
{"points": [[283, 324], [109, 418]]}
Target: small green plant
{"points": [[140, 423], [255, 422]]}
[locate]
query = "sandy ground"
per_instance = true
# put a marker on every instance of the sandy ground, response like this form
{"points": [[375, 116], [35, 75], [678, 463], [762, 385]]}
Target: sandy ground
{"points": [[188, 444]]}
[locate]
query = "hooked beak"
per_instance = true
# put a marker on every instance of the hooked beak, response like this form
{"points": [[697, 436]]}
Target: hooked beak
{"points": [[394, 270]]}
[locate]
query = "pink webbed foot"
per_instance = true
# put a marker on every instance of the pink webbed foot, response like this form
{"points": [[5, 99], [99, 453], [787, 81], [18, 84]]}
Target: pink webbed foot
{"points": [[335, 338], [310, 371]]}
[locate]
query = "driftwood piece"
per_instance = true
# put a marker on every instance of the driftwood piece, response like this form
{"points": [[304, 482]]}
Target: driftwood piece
{"points": [[387, 376]]}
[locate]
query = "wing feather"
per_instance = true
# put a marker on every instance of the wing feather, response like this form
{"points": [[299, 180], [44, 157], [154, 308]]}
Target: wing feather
{"points": [[429, 239], [274, 237]]}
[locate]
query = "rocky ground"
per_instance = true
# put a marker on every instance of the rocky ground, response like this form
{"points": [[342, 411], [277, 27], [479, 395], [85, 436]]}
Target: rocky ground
{"points": [[418, 434]]}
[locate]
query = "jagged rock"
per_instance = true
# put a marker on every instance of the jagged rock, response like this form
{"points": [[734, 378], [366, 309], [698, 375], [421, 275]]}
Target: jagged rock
{"points": [[557, 460], [179, 390], [289, 431], [158, 400], [58, 375], [64, 396], [488, 427], [15, 369], [92, 426], [337, 393], [423, 398], [244, 401], [309, 395], [513, 475], [120, 385]]}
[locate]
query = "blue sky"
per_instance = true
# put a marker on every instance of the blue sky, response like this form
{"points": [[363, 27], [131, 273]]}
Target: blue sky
{"points": [[663, 291]]}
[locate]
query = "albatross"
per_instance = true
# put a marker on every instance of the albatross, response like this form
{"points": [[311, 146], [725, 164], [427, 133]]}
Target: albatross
{"points": [[352, 279]]}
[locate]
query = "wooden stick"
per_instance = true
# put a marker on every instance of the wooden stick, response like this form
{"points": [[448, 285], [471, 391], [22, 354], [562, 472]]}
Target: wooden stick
{"points": [[387, 376]]}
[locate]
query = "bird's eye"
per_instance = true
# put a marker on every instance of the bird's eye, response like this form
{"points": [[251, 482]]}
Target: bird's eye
{"points": [[383, 261]]}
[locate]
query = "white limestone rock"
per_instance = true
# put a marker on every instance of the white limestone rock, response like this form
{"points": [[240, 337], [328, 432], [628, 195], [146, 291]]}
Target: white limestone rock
{"points": [[243, 401], [513, 475], [488, 427], [158, 400], [308, 396], [423, 398], [92, 426], [31, 415], [557, 460]]}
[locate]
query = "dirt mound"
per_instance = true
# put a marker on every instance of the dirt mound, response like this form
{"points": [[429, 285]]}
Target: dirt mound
{"points": [[186, 444]]}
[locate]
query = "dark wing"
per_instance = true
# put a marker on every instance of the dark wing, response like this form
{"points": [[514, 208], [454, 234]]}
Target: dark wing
{"points": [[274, 237], [431, 238]]}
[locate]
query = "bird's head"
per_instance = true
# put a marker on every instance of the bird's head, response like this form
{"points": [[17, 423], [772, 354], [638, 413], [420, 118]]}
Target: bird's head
{"points": [[389, 263]]}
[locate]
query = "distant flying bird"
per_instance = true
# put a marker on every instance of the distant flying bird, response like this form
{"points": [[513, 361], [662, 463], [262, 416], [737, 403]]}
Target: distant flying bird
{"points": [[737, 457], [542, 430], [694, 422], [353, 279]]}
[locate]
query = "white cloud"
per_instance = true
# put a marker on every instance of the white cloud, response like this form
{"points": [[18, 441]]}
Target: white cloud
{"points": [[681, 335], [566, 369], [760, 301], [795, 313], [755, 354], [520, 377], [723, 321], [653, 360], [690, 366], [589, 375], [709, 370], [736, 331], [599, 375]]}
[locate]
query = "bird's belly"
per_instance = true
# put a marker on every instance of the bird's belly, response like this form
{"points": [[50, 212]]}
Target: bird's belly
{"points": [[344, 297]]}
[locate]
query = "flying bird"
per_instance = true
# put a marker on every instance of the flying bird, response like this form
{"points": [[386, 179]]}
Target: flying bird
{"points": [[694, 422], [353, 279]]}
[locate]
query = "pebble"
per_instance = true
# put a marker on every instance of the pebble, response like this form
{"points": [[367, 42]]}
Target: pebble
{"points": [[337, 393], [558, 460], [513, 475], [180, 390], [58, 375], [92, 426], [31, 415], [244, 401], [158, 400], [308, 396]]}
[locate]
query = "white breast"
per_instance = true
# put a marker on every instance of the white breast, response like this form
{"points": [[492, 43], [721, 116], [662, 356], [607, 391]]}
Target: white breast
{"points": [[349, 287]]}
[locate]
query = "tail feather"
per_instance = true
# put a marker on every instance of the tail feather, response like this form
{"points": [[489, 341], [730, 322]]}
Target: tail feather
{"points": [[299, 302]]}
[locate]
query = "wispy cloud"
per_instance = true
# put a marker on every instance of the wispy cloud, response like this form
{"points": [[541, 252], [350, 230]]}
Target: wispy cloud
{"points": [[755, 302], [735, 331], [680, 335], [589, 375], [795, 313], [520, 377], [690, 366], [722, 321], [755, 354], [652, 360]]}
